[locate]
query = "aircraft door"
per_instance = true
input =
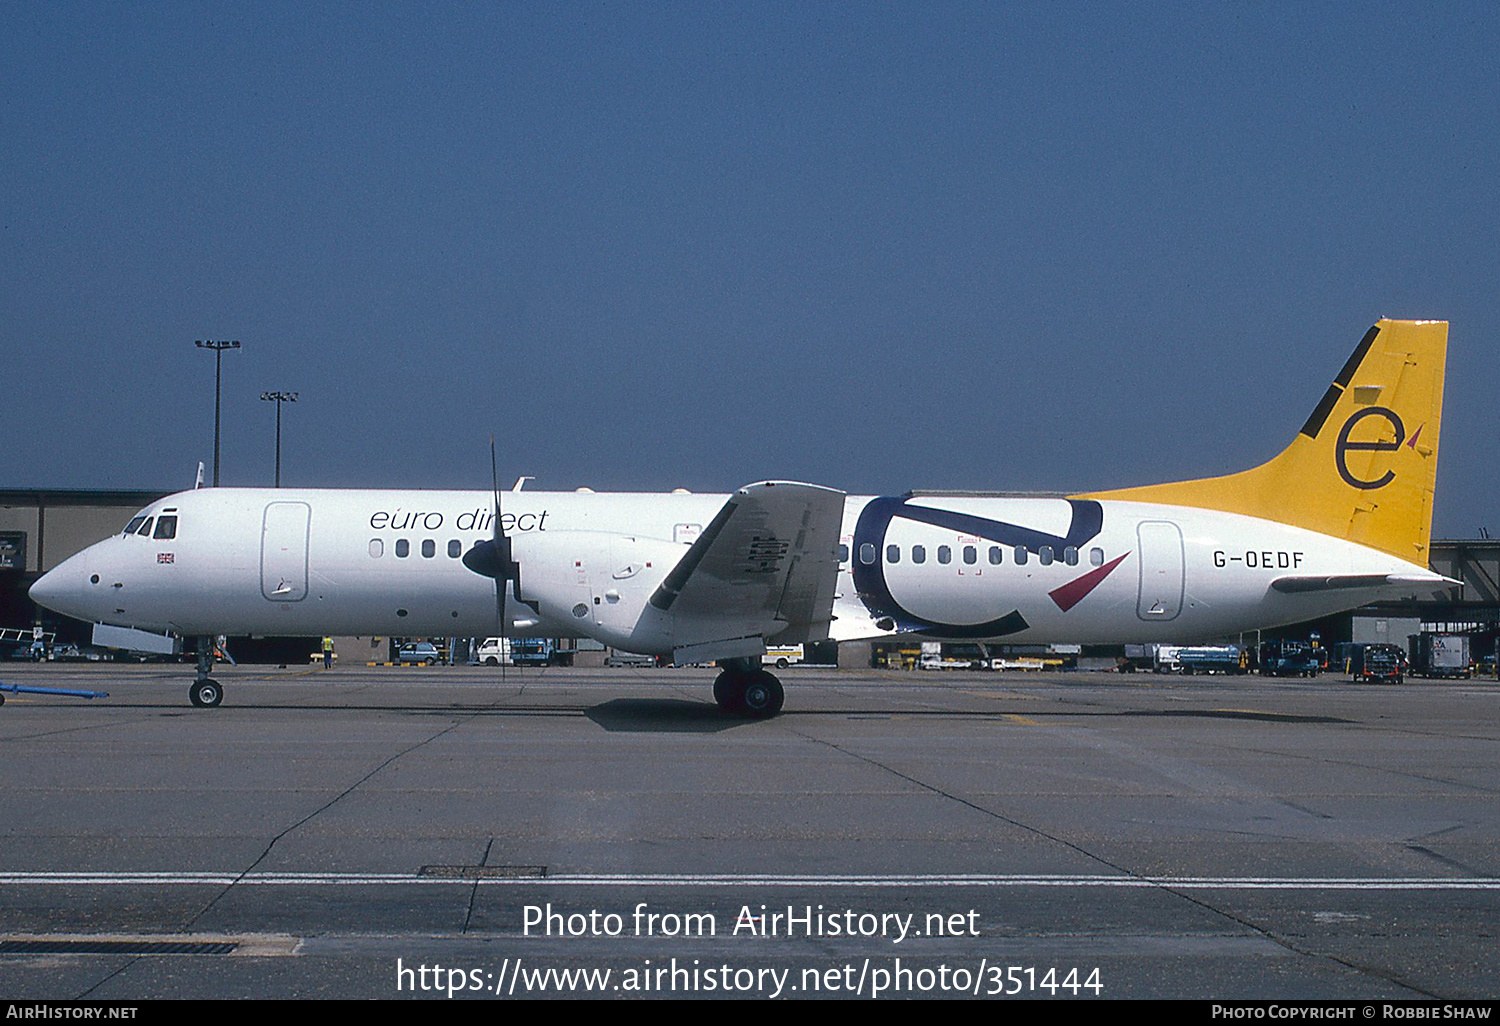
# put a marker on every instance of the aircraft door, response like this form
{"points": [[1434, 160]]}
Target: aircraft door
{"points": [[1160, 548], [283, 551]]}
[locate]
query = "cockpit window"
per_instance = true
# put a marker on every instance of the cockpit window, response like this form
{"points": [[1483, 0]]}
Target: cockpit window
{"points": [[166, 527], [145, 530], [136, 522]]}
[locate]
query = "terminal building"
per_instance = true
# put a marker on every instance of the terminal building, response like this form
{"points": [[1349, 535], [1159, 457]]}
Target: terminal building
{"points": [[41, 527]]}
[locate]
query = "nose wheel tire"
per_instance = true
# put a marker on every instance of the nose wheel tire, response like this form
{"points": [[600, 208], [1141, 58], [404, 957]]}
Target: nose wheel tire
{"points": [[206, 693], [756, 693]]}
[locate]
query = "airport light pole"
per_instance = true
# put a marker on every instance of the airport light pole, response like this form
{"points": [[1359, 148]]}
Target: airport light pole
{"points": [[218, 346], [278, 398]]}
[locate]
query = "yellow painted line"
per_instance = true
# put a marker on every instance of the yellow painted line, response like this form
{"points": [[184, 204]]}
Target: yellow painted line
{"points": [[1025, 721]]}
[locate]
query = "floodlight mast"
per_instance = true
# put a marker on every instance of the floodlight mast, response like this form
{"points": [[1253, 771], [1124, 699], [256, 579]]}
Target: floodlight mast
{"points": [[278, 398], [218, 346]]}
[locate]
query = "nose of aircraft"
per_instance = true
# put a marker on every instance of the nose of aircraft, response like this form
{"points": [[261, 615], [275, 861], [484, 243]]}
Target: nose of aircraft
{"points": [[45, 589], [63, 589]]}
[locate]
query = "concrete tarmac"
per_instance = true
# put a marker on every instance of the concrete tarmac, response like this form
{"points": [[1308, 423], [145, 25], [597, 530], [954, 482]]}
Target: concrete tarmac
{"points": [[383, 832]]}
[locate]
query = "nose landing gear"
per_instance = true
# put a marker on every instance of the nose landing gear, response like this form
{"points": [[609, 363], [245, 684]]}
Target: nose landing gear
{"points": [[206, 692], [744, 689]]}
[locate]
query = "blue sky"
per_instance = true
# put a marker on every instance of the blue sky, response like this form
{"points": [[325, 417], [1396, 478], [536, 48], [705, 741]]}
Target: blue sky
{"points": [[875, 246]]}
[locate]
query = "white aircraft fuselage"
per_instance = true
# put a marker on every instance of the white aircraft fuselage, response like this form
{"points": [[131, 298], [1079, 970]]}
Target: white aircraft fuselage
{"points": [[1022, 569]]}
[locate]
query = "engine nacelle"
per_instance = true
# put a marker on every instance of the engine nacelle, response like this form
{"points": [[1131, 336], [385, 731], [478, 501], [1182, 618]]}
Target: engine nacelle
{"points": [[599, 582]]}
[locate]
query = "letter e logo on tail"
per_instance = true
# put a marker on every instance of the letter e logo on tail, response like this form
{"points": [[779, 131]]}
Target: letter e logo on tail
{"points": [[1342, 447]]}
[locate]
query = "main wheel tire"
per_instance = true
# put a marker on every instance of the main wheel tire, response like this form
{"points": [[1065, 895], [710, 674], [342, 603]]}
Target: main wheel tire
{"points": [[206, 693], [725, 692], [761, 695]]}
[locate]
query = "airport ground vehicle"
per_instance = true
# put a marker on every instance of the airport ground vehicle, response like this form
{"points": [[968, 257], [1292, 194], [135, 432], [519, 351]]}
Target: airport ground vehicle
{"points": [[1229, 659], [1289, 658], [539, 652], [1375, 663], [618, 658], [70, 653], [783, 655], [493, 652], [419, 652], [1440, 655], [938, 656], [1164, 659]]}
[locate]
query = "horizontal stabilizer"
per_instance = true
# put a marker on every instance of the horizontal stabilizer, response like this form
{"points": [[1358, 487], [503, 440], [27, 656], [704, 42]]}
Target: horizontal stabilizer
{"points": [[1344, 582]]}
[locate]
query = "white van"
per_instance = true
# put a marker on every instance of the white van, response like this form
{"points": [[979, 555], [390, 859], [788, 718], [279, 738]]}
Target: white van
{"points": [[493, 651], [782, 656]]}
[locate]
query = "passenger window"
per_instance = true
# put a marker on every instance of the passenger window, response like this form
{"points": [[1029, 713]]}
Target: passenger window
{"points": [[919, 553], [1096, 556], [1045, 555], [893, 553], [971, 555], [1070, 555], [377, 548], [945, 554], [996, 555], [145, 531], [166, 528], [1020, 555], [867, 554], [455, 549], [843, 553], [429, 548], [136, 522], [403, 548]]}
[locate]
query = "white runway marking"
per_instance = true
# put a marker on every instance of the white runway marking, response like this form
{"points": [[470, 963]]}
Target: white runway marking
{"points": [[724, 880]]}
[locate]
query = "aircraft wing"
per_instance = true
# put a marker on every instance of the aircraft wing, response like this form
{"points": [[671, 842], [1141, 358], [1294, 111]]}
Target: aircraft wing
{"points": [[1341, 582], [766, 566]]}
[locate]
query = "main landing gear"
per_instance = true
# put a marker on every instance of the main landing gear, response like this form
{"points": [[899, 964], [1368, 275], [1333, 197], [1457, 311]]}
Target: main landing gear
{"points": [[206, 691], [743, 688]]}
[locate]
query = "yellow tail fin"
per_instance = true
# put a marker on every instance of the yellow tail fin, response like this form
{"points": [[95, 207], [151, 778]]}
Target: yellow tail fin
{"points": [[1364, 465]]}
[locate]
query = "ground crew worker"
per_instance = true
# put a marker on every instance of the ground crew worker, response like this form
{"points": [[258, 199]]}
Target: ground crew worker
{"points": [[327, 653]]}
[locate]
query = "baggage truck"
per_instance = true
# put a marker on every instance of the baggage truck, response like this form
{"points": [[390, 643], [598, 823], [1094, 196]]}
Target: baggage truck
{"points": [[1375, 663], [1441, 655]]}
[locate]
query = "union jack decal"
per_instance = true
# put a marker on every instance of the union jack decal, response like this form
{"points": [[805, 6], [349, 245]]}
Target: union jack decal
{"points": [[165, 557]]}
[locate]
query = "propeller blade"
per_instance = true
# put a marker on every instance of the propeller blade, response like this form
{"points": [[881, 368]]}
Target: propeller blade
{"points": [[502, 547]]}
